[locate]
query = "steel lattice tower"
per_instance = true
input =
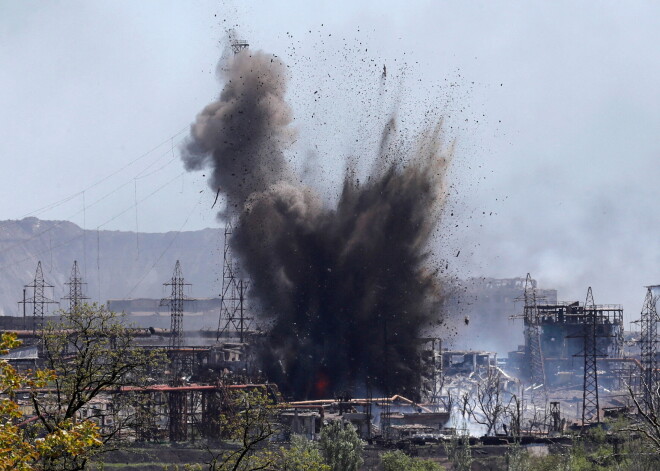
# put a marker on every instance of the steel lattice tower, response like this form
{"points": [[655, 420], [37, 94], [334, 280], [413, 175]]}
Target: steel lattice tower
{"points": [[649, 345], [232, 297], [590, 405], [233, 316], [237, 45], [175, 302], [533, 338], [75, 283], [38, 300]]}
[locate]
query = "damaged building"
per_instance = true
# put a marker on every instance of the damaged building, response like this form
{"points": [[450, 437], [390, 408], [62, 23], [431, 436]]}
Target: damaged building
{"points": [[561, 330], [488, 303]]}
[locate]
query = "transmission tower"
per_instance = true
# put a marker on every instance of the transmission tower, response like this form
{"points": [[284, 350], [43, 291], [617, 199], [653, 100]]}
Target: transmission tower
{"points": [[232, 297], [237, 45], [38, 300], [649, 344], [590, 406], [233, 316], [175, 302], [533, 338], [75, 283]]}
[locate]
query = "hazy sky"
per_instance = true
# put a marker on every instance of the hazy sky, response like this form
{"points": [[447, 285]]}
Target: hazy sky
{"points": [[553, 106]]}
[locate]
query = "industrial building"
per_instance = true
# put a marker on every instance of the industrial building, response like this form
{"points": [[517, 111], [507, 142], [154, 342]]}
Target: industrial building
{"points": [[568, 346]]}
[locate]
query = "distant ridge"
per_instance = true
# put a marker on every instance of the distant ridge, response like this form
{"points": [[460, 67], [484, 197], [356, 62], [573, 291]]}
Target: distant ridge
{"points": [[110, 257]]}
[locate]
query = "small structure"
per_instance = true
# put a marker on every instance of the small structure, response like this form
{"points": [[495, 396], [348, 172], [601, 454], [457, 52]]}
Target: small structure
{"points": [[373, 417], [466, 361]]}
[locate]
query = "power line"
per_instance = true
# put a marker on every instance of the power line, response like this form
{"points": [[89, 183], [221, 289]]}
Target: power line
{"points": [[58, 224], [98, 260], [176, 235], [82, 235], [139, 176], [84, 238], [137, 229], [140, 201], [85, 207], [98, 182]]}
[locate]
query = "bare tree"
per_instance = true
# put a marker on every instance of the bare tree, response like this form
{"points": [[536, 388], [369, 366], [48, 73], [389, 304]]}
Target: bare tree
{"points": [[465, 405], [514, 412], [487, 407], [647, 407]]}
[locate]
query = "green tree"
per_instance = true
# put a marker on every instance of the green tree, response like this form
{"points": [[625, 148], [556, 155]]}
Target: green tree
{"points": [[247, 423], [459, 451], [634, 450], [341, 447], [19, 450], [517, 459], [399, 461], [90, 353], [302, 455]]}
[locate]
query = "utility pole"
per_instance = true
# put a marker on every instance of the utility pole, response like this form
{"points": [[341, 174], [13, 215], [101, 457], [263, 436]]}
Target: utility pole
{"points": [[24, 303], [75, 284]]}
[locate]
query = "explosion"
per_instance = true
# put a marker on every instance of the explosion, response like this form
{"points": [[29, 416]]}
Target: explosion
{"points": [[348, 288]]}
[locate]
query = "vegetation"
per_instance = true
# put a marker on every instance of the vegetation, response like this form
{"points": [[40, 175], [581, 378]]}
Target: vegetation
{"points": [[487, 406], [459, 452], [70, 415], [302, 455], [399, 461], [23, 451], [89, 353], [647, 406], [341, 447], [247, 423], [594, 450]]}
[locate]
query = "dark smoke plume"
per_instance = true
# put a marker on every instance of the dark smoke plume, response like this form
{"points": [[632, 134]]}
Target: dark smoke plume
{"points": [[348, 289], [241, 135]]}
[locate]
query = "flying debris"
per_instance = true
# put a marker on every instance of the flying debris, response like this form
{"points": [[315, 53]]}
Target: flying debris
{"points": [[325, 276], [217, 195]]}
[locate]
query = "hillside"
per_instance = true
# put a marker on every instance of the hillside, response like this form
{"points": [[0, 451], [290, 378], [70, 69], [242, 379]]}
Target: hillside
{"points": [[114, 264]]}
